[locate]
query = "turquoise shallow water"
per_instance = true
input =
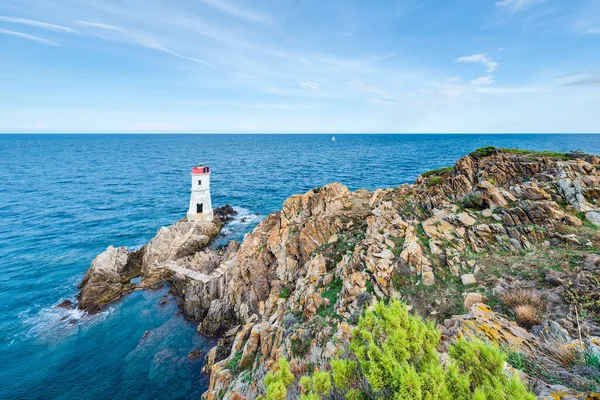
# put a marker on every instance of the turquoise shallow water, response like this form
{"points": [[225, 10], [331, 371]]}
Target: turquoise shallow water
{"points": [[65, 198]]}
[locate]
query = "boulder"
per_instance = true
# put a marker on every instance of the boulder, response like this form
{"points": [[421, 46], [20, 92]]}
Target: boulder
{"points": [[107, 279], [471, 299], [468, 279]]}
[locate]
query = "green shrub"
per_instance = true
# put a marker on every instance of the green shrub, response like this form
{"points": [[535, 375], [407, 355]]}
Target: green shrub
{"points": [[285, 293], [317, 387], [277, 382], [438, 172], [394, 355], [434, 181], [232, 365], [592, 359], [483, 152]]}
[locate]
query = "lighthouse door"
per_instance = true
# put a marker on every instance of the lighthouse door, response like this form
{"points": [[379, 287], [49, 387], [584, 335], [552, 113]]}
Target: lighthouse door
{"points": [[199, 208]]}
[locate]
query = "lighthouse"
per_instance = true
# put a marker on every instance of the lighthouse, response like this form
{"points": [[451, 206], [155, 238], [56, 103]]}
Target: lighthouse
{"points": [[200, 205]]}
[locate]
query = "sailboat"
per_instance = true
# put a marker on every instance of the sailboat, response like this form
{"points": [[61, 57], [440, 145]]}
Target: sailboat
{"points": [[333, 138]]}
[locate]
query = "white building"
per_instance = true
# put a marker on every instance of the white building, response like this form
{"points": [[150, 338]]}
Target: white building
{"points": [[200, 205]]}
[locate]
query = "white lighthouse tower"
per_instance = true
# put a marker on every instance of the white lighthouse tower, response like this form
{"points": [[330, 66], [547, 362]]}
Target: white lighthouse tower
{"points": [[200, 205]]}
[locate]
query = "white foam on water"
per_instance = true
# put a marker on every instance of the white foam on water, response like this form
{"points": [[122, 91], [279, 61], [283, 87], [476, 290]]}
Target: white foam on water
{"points": [[53, 321], [241, 221]]}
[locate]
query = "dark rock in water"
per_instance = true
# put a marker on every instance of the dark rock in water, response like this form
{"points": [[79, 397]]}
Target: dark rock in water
{"points": [[163, 301], [72, 322], [225, 213], [65, 304], [195, 354], [145, 335]]}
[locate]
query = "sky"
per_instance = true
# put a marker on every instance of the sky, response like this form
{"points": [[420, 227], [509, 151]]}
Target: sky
{"points": [[314, 66]]}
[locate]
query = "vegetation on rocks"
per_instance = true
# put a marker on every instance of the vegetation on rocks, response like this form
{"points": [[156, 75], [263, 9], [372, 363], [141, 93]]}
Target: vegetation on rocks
{"points": [[393, 355]]}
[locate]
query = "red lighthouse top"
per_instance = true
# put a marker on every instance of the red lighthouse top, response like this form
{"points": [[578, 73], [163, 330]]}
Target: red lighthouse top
{"points": [[200, 170]]}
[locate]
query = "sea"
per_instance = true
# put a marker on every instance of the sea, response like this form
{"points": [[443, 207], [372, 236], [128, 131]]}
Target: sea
{"points": [[65, 198]]}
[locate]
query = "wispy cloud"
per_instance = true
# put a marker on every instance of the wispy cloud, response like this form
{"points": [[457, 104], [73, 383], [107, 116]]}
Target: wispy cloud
{"points": [[479, 58], [309, 85], [518, 5], [373, 90], [483, 81], [29, 37], [38, 24], [579, 80], [236, 11], [145, 41]]}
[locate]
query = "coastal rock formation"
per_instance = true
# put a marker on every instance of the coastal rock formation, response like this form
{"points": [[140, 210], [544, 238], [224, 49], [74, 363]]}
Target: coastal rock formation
{"points": [[110, 274], [107, 279], [500, 247]]}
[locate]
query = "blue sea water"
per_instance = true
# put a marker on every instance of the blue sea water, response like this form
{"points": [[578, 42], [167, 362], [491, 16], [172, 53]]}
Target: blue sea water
{"points": [[65, 198]]}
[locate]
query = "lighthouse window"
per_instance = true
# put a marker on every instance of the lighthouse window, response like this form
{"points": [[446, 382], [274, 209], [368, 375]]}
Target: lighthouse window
{"points": [[199, 183]]}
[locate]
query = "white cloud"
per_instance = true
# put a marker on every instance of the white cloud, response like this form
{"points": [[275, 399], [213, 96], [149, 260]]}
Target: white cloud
{"points": [[479, 58], [43, 25], [145, 41], [518, 5], [310, 85], [492, 66], [236, 11], [513, 90], [378, 102], [361, 87], [29, 37], [483, 81]]}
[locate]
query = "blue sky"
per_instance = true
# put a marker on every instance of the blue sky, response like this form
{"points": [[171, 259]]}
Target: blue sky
{"points": [[300, 66]]}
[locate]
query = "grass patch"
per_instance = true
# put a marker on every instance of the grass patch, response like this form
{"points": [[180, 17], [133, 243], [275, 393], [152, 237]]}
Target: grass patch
{"points": [[232, 365], [527, 306], [438, 172], [434, 181], [331, 293], [489, 150]]}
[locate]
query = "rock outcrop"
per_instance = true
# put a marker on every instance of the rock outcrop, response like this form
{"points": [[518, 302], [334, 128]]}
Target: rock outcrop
{"points": [[173, 249], [107, 279], [457, 239]]}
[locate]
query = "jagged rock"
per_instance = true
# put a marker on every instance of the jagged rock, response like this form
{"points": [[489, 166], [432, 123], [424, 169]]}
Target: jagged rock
{"points": [[195, 354], [64, 304], [532, 191], [483, 323], [219, 318], [224, 213], [174, 242], [107, 279]]}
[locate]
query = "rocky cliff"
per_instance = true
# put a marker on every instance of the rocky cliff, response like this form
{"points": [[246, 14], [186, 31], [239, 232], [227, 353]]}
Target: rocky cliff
{"points": [[503, 246]]}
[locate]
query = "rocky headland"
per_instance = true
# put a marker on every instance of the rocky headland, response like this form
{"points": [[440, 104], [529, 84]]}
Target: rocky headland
{"points": [[503, 246]]}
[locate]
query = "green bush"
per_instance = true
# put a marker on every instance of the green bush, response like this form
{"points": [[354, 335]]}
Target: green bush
{"points": [[438, 172], [483, 152], [434, 181], [276, 383], [393, 355]]}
